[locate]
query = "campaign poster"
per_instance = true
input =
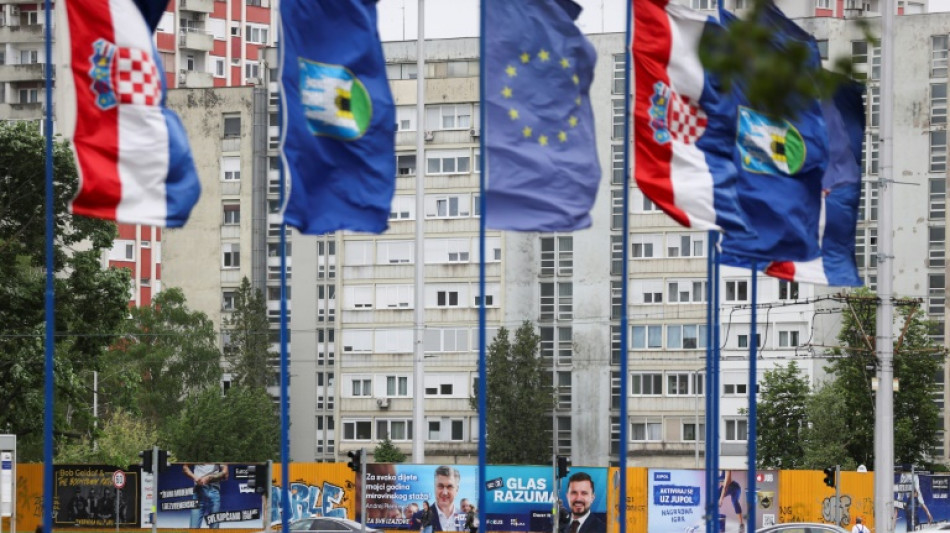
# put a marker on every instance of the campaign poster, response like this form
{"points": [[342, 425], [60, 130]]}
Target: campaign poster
{"points": [[584, 488], [676, 500], [519, 498], [195, 496], [395, 492], [920, 499], [86, 497]]}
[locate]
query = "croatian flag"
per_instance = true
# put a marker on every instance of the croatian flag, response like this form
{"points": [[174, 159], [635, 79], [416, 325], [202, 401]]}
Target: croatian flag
{"points": [[685, 128], [132, 153]]}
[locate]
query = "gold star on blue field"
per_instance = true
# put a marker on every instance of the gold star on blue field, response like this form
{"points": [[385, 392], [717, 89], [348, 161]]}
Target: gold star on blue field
{"points": [[541, 163]]}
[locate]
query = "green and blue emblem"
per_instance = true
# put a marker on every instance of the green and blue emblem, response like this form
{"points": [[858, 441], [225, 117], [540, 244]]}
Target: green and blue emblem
{"points": [[769, 146], [335, 101]]}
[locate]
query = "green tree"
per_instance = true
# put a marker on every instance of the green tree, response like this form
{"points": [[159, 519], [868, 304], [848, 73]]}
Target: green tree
{"points": [[825, 440], [120, 439], [782, 417], [90, 301], [387, 452], [248, 346], [519, 400], [241, 426], [168, 352], [916, 364]]}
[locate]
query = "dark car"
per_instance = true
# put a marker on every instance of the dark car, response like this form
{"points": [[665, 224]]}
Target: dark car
{"points": [[324, 524], [802, 527]]}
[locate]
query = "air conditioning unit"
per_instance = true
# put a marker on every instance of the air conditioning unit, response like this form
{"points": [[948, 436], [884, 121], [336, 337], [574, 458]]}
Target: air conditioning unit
{"points": [[382, 403], [429, 136], [474, 132]]}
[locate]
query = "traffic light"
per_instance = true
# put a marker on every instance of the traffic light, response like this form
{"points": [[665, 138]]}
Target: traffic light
{"points": [[356, 460], [146, 460], [162, 460], [563, 466], [830, 476], [257, 478]]}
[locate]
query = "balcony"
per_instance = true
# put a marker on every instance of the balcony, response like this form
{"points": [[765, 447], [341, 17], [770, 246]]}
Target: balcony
{"points": [[31, 111], [200, 6], [196, 40], [28, 72], [195, 80], [22, 34]]}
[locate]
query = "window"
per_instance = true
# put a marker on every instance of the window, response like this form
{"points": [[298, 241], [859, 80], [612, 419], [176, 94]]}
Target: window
{"points": [[823, 4], [29, 96], [255, 34], [29, 57], [938, 199], [616, 255], [647, 384], [620, 66], [936, 294], [686, 336], [651, 291], [357, 430], [937, 241], [737, 430], [704, 4], [231, 255], [395, 252], [557, 301], [938, 103], [397, 386], [252, 71], [618, 119], [692, 434], [616, 209], [457, 430], [616, 163], [231, 168], [735, 389], [938, 151], [938, 56], [557, 341], [645, 246], [449, 117], [405, 164], [737, 291], [232, 125], [677, 384], [228, 298], [646, 431], [435, 430], [690, 245], [448, 162], [232, 213], [557, 256], [403, 208], [642, 204], [686, 291], [788, 339], [787, 290], [361, 387], [822, 48], [448, 206], [447, 298], [396, 430], [859, 53], [405, 118], [219, 69], [647, 337], [867, 208]]}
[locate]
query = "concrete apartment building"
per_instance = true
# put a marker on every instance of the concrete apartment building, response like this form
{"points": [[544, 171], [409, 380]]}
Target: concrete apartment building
{"points": [[351, 300]]}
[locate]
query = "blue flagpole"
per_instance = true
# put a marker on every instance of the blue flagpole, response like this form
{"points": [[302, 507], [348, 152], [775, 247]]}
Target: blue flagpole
{"points": [[49, 383], [284, 370], [753, 400], [711, 473], [713, 447], [482, 367], [625, 240]]}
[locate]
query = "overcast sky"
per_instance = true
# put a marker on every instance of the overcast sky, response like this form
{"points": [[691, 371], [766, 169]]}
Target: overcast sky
{"points": [[459, 18]]}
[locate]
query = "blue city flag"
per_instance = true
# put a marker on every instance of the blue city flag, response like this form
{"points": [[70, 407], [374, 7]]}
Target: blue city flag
{"points": [[339, 125], [844, 117], [781, 162], [541, 154]]}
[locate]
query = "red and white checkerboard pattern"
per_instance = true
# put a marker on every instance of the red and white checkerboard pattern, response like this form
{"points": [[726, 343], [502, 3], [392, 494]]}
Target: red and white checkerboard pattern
{"points": [[136, 77], [687, 122]]}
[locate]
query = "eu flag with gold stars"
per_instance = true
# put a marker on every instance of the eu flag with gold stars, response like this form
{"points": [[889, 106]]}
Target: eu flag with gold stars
{"points": [[540, 151]]}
